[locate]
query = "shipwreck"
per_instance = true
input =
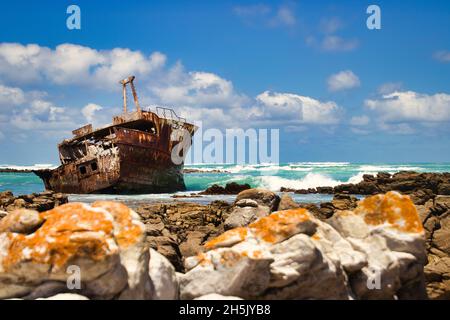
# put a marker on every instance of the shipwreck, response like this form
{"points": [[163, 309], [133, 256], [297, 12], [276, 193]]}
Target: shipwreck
{"points": [[132, 155]]}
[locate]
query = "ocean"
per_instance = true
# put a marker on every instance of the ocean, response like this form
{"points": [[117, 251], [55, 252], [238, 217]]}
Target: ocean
{"points": [[297, 175]]}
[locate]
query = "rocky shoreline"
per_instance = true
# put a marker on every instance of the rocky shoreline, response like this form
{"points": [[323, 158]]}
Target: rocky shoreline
{"points": [[199, 246]]}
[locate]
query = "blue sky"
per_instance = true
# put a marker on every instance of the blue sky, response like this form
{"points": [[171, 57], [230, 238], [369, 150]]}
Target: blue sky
{"points": [[336, 90]]}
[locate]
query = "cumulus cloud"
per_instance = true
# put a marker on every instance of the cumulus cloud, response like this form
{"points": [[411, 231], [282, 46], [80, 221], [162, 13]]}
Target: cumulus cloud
{"points": [[442, 56], [89, 110], [74, 64], [43, 115], [199, 89], [294, 108], [411, 106], [343, 80], [10, 96]]}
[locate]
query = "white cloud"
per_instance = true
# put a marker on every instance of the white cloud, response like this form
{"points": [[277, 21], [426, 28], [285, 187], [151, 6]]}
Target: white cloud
{"points": [[195, 89], [411, 106], [288, 107], [10, 96], [336, 43], [44, 116], [442, 56], [89, 110], [74, 64], [360, 120], [343, 80]]}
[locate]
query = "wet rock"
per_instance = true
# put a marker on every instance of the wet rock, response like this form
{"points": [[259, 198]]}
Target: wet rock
{"points": [[103, 241], [230, 188], [283, 255]]}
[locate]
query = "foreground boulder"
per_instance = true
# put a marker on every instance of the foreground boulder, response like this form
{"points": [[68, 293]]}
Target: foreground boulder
{"points": [[376, 251], [251, 205], [41, 254]]}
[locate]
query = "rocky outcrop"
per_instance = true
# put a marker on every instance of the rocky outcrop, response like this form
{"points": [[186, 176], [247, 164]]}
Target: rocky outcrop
{"points": [[374, 251], [406, 182], [435, 216], [37, 201], [95, 250], [251, 205], [230, 188], [178, 230]]}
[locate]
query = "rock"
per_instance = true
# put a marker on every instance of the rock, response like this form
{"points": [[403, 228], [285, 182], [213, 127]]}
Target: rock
{"points": [[230, 188], [262, 197], [215, 296], [324, 190], [444, 188], [23, 221], [283, 255], [243, 216], [103, 242], [193, 243], [65, 296], [437, 273], [246, 203], [163, 277], [3, 214], [344, 202], [37, 201], [388, 230], [286, 202]]}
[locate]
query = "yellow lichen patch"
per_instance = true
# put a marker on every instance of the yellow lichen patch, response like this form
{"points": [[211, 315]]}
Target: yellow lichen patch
{"points": [[229, 237], [279, 225], [129, 232], [393, 208], [69, 231], [315, 236]]}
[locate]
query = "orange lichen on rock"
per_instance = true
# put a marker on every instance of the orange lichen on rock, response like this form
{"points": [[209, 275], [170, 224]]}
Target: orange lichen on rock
{"points": [[69, 231], [393, 208], [227, 238], [128, 232], [279, 225]]}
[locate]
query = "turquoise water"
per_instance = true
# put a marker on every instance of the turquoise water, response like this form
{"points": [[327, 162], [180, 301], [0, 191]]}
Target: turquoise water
{"points": [[299, 175]]}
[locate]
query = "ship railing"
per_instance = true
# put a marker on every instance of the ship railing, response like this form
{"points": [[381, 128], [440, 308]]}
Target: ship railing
{"points": [[167, 113]]}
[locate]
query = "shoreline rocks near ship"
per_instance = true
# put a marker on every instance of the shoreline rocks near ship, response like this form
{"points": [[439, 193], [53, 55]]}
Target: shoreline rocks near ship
{"points": [[274, 247]]}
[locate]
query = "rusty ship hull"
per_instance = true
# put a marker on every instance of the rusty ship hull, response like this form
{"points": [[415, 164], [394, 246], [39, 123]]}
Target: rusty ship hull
{"points": [[133, 155]]}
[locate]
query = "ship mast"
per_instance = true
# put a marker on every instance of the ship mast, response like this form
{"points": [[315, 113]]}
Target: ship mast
{"points": [[124, 83]]}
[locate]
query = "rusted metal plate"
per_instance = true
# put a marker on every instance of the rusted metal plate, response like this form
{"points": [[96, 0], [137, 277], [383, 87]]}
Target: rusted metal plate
{"points": [[83, 130]]}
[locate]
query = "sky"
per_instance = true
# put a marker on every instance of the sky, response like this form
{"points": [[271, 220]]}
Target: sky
{"points": [[336, 90]]}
